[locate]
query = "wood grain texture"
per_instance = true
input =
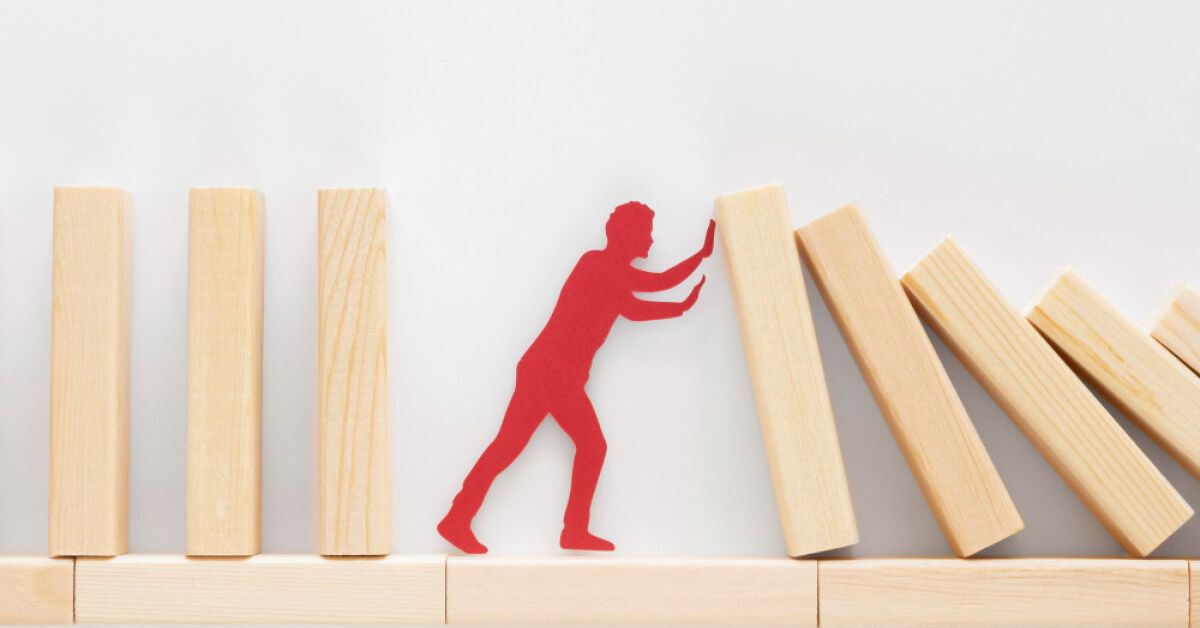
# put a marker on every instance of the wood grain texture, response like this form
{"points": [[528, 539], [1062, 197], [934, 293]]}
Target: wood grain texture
{"points": [[353, 452], [1155, 390], [263, 589], [89, 372], [1101, 463], [1004, 592], [925, 415], [36, 590], [799, 434], [631, 591], [1178, 328], [225, 326]]}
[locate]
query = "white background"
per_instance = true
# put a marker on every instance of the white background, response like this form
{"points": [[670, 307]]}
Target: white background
{"points": [[1039, 134]]}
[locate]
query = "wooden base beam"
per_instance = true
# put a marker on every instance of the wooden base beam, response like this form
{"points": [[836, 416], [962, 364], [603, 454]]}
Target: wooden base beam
{"points": [[36, 590], [263, 589]]}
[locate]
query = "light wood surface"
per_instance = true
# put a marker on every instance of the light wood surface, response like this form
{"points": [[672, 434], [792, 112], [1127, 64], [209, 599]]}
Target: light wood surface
{"points": [[263, 589], [1004, 592], [925, 415], [631, 591], [1178, 328], [796, 418], [1194, 577], [1154, 389], [36, 590], [225, 324], [353, 444], [89, 372], [1083, 442]]}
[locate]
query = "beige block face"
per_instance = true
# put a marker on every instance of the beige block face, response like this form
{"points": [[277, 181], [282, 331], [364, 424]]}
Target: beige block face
{"points": [[89, 372], [36, 590], [1178, 327]]}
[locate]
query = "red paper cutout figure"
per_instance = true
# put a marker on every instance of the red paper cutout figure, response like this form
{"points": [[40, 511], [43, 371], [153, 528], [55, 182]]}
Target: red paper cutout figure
{"points": [[552, 373]]}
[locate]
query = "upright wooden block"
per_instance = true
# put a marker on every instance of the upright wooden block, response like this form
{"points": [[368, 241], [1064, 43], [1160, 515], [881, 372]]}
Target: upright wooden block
{"points": [[225, 319], [89, 372], [1126, 365], [36, 590], [264, 589], [908, 381], [631, 591], [1178, 328], [1043, 397], [1004, 592], [353, 459], [799, 434]]}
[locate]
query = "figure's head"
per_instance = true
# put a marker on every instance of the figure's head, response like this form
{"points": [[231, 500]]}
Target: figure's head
{"points": [[628, 229]]}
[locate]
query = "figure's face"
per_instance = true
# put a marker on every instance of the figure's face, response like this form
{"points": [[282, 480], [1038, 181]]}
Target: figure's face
{"points": [[642, 239]]}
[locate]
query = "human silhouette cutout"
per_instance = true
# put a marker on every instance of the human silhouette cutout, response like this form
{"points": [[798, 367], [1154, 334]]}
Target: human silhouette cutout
{"points": [[552, 373]]}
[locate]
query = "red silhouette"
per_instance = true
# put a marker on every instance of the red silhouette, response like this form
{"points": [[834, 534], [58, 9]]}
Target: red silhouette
{"points": [[552, 373]]}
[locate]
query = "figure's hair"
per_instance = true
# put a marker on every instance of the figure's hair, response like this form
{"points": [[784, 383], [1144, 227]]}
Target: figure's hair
{"points": [[625, 216]]}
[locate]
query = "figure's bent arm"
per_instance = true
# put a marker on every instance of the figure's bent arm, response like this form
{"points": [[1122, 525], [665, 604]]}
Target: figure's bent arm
{"points": [[646, 281], [638, 310]]}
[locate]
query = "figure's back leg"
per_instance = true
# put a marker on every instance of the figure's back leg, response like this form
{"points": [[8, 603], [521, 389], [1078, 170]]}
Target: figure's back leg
{"points": [[574, 412]]}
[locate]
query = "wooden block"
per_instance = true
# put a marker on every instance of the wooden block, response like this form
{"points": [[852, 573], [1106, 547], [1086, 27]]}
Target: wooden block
{"points": [[353, 459], [225, 319], [925, 415], [1004, 591], [1155, 390], [89, 372], [1043, 397], [799, 434], [1194, 578], [36, 590], [1178, 328], [631, 591], [264, 589]]}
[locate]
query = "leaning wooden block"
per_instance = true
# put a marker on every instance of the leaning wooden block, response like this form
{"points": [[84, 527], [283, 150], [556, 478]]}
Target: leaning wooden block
{"points": [[1155, 390], [89, 372], [631, 591], [925, 415], [1004, 591], [1178, 329], [1043, 397], [225, 324], [353, 452], [261, 589], [36, 590], [794, 411]]}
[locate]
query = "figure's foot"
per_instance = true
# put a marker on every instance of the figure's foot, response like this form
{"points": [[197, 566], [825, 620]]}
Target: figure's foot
{"points": [[459, 534], [584, 540]]}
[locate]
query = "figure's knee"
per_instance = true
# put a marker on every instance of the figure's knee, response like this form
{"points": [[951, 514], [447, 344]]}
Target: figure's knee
{"points": [[592, 446]]}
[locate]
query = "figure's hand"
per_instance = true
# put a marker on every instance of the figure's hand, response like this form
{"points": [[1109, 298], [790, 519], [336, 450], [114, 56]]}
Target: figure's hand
{"points": [[708, 239], [693, 295]]}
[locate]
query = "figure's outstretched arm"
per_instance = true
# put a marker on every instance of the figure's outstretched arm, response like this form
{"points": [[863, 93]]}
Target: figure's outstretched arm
{"points": [[646, 281], [639, 310]]}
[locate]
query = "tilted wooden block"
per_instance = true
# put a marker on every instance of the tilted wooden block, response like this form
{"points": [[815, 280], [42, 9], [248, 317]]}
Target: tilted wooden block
{"points": [[801, 441], [353, 445], [261, 589], [225, 325], [631, 591], [1178, 328], [1043, 397], [89, 372], [1004, 591], [925, 415], [1155, 390], [36, 590]]}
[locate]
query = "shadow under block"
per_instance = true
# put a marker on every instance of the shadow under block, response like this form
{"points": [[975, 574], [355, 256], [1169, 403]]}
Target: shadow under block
{"points": [[1178, 329], [1101, 463], [353, 453], [36, 590], [799, 434], [225, 327], [907, 379], [631, 591], [1004, 591], [261, 589], [89, 372], [1155, 390]]}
